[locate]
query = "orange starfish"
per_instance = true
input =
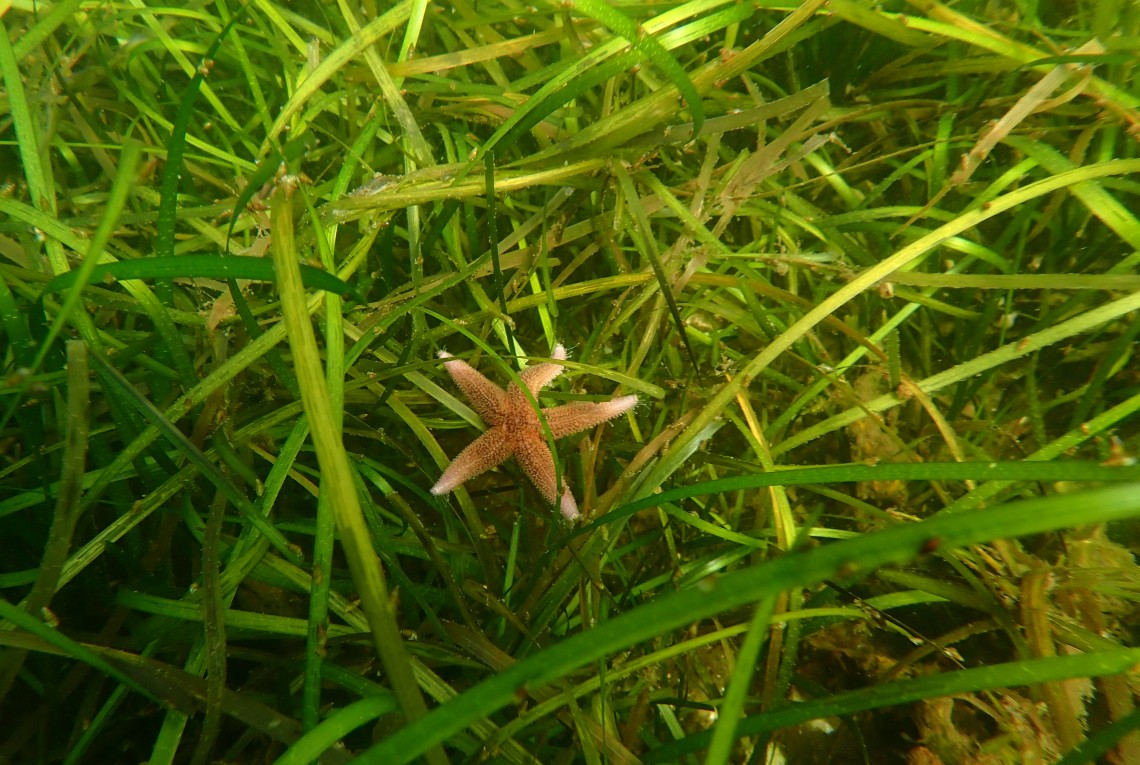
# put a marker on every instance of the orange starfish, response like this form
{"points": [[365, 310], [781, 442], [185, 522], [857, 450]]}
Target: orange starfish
{"points": [[515, 429]]}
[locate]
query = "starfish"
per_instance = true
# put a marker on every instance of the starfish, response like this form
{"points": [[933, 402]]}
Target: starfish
{"points": [[515, 429]]}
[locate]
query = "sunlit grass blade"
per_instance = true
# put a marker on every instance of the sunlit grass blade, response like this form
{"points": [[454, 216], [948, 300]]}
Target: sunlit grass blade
{"points": [[198, 267], [646, 45]]}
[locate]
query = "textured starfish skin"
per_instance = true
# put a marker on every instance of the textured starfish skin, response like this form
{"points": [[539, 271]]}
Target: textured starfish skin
{"points": [[515, 430]]}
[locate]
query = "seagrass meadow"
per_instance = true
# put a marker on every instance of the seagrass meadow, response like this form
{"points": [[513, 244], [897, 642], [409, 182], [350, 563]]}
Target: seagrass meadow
{"points": [[797, 341]]}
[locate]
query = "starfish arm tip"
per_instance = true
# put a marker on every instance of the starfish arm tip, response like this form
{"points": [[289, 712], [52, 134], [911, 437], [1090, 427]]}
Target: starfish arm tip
{"points": [[568, 419], [444, 355], [568, 506], [559, 352], [450, 480], [479, 456], [625, 403]]}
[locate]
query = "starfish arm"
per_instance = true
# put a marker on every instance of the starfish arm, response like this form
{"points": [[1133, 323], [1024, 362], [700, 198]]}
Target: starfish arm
{"points": [[539, 376], [534, 456], [482, 454], [487, 398], [568, 419]]}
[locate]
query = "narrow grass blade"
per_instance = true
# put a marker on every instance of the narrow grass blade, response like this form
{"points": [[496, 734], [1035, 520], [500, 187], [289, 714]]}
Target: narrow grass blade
{"points": [[73, 281], [646, 45], [200, 267], [724, 735], [336, 726]]}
